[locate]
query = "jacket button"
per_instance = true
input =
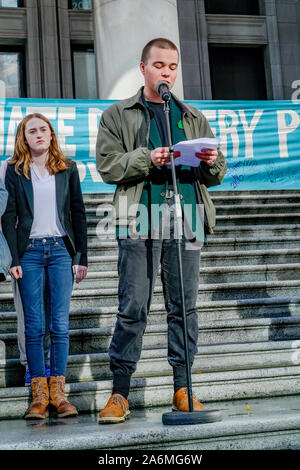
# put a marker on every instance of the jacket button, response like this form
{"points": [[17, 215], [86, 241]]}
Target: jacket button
{"points": [[162, 194]]}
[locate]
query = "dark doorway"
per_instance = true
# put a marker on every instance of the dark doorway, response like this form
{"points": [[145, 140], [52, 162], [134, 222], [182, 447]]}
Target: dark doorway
{"points": [[232, 7], [237, 73]]}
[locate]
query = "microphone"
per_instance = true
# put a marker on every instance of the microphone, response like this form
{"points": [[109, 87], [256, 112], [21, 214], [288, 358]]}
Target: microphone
{"points": [[163, 89]]}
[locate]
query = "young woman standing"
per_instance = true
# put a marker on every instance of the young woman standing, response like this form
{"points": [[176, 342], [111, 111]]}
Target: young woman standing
{"points": [[45, 227]]}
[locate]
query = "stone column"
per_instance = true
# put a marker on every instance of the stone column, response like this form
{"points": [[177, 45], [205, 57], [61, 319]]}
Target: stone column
{"points": [[34, 68], [273, 70], [122, 28], [65, 48], [194, 49], [49, 50]]}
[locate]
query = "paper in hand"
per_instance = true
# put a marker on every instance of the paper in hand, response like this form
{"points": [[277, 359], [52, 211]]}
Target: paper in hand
{"points": [[188, 148]]}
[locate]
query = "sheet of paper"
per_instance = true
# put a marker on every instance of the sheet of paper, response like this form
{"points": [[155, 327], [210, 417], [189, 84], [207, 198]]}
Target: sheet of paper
{"points": [[188, 148]]}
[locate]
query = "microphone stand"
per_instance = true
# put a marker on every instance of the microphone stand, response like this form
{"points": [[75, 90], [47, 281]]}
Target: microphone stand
{"points": [[178, 235], [178, 417]]}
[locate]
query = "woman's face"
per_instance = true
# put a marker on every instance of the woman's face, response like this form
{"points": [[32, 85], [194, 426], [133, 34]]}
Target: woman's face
{"points": [[37, 135]]}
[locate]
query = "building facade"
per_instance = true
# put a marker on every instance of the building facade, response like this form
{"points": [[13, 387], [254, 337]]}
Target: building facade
{"points": [[90, 49]]}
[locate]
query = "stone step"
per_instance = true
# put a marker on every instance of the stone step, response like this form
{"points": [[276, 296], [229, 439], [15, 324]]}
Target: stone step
{"points": [[252, 199], [219, 197], [273, 424], [221, 220], [207, 292], [210, 386], [99, 317], [214, 258], [248, 231], [106, 209], [153, 362], [89, 340], [110, 247], [208, 275], [241, 209], [219, 274]]}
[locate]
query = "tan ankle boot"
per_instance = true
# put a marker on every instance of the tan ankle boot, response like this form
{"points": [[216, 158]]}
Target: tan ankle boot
{"points": [[58, 398], [40, 399]]}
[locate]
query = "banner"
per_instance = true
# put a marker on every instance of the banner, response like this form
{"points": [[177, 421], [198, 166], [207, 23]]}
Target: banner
{"points": [[260, 139]]}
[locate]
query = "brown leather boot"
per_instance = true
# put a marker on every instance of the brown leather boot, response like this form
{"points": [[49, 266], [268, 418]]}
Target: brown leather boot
{"points": [[115, 411], [40, 399], [58, 398], [181, 401]]}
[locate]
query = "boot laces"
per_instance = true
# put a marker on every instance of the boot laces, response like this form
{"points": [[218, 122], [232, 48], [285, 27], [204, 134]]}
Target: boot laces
{"points": [[60, 387], [118, 400], [39, 393]]}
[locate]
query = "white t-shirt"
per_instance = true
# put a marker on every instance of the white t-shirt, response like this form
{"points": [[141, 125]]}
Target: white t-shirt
{"points": [[46, 222]]}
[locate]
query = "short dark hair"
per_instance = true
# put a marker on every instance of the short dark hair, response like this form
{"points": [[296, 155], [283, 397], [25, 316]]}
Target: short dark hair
{"points": [[162, 43]]}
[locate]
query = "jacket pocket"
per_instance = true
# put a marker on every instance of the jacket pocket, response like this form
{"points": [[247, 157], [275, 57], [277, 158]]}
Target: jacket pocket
{"points": [[209, 207], [125, 201]]}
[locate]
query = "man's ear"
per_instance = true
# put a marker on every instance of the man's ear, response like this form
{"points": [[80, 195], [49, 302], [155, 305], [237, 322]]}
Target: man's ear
{"points": [[142, 67]]}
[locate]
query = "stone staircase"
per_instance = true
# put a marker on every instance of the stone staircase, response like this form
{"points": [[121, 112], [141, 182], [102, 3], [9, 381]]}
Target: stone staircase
{"points": [[249, 312]]}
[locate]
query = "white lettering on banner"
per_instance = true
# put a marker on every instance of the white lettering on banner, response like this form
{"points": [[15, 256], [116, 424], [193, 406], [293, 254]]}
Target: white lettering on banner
{"points": [[249, 130], [66, 131], [296, 94], [49, 113], [211, 115], [15, 117], [226, 130], [94, 114], [94, 173], [141, 219], [284, 129], [1, 130], [81, 170]]}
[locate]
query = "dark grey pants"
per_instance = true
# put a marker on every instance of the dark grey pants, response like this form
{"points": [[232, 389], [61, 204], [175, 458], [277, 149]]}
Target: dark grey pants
{"points": [[138, 266]]}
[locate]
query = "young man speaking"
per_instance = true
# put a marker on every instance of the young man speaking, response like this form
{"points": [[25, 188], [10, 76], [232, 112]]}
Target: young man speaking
{"points": [[133, 153]]}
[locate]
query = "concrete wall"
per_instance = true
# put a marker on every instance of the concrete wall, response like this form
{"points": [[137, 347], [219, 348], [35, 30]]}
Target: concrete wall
{"points": [[47, 33]]}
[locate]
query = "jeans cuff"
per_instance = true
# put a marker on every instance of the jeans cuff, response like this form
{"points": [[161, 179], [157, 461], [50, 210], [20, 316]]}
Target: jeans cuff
{"points": [[121, 384], [179, 377]]}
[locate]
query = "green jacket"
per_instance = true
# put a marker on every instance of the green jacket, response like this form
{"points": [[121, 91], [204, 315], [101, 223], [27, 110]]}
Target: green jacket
{"points": [[123, 157]]}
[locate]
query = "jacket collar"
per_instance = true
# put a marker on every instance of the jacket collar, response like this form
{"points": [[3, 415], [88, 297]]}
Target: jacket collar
{"points": [[137, 101], [27, 185]]}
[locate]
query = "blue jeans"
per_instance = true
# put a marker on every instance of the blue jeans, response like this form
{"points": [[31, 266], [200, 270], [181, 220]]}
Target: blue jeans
{"points": [[46, 264]]}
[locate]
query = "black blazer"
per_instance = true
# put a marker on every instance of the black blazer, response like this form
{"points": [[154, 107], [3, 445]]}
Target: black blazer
{"points": [[18, 217]]}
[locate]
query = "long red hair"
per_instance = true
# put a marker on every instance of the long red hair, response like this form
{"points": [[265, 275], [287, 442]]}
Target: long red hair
{"points": [[56, 159]]}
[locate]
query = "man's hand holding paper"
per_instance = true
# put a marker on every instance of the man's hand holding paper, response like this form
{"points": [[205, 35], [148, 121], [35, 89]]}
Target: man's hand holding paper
{"points": [[193, 151]]}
